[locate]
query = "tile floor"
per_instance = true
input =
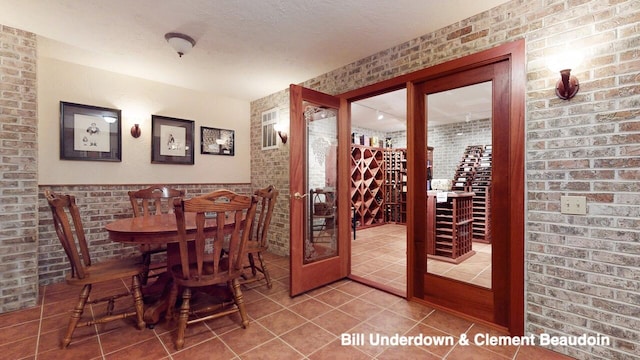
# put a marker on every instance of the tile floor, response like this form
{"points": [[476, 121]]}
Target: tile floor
{"points": [[305, 327], [379, 254]]}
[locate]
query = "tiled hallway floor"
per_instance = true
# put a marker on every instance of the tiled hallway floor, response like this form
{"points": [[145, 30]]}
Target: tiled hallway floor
{"points": [[379, 254], [305, 327]]}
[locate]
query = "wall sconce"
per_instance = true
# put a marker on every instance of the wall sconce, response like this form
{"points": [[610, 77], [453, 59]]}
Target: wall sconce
{"points": [[136, 131], [568, 86], [281, 132]]}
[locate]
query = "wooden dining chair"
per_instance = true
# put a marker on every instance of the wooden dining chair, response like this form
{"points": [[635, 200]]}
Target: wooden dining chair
{"points": [[85, 273], [154, 200], [208, 265], [259, 230]]}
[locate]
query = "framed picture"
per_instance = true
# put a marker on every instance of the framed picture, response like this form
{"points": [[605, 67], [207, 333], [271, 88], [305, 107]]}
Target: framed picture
{"points": [[90, 133], [217, 141], [171, 140]]}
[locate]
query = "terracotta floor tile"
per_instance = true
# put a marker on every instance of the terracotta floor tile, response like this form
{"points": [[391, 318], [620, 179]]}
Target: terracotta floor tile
{"points": [[538, 353], [282, 321], [308, 338], [472, 352], [149, 349], [262, 308], [448, 323], [336, 351], [275, 349], [431, 333], [243, 340], [20, 348], [406, 352], [360, 309], [353, 288], [205, 351], [194, 334], [84, 349], [336, 322], [126, 334], [334, 297], [507, 351], [19, 316], [381, 298], [310, 309], [19, 331], [390, 323]]}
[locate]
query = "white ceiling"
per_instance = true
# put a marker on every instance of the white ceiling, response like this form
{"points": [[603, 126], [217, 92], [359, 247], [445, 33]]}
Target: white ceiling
{"points": [[457, 105], [245, 49]]}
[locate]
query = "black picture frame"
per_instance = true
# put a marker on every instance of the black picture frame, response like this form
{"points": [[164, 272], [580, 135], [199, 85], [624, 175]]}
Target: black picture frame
{"points": [[90, 133], [172, 140], [214, 141]]}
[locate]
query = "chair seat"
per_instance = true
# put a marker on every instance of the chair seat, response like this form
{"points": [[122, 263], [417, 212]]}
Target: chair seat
{"points": [[108, 270]]}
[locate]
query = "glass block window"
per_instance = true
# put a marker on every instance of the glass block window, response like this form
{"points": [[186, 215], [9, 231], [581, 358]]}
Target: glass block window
{"points": [[269, 132]]}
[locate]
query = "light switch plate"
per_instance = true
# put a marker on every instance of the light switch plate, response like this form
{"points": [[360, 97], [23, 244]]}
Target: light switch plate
{"points": [[574, 205]]}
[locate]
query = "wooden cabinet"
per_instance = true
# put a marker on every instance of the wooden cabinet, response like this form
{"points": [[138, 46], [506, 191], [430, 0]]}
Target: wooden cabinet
{"points": [[367, 180], [449, 227]]}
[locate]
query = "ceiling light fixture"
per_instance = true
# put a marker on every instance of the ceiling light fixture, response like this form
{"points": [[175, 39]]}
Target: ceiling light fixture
{"points": [[181, 43]]}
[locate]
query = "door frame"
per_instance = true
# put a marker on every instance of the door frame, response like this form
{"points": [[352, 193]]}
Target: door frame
{"points": [[514, 53]]}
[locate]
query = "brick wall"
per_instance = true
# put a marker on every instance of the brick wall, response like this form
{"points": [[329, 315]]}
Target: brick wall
{"points": [[450, 141], [581, 271], [99, 205], [18, 170], [271, 167]]}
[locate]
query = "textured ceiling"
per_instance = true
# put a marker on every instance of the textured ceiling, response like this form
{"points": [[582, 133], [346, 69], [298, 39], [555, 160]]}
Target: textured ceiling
{"points": [[245, 49]]}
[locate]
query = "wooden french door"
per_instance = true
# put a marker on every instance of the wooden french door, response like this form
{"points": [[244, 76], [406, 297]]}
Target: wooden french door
{"points": [[318, 176], [492, 303]]}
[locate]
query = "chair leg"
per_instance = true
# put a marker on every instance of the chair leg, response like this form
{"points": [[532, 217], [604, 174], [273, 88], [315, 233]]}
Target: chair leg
{"points": [[171, 301], [184, 317], [239, 300], [252, 265], [76, 314], [137, 301], [263, 266]]}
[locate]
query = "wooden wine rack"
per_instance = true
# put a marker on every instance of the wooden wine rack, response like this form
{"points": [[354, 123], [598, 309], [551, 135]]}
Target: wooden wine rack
{"points": [[395, 186], [481, 186], [367, 180], [474, 174], [449, 229]]}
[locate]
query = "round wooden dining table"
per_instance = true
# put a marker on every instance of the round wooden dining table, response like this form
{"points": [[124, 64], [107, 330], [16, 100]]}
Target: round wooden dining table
{"points": [[157, 229]]}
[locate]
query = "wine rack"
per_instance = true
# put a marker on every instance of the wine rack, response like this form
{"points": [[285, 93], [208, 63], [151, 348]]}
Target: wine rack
{"points": [[474, 174], [449, 231], [395, 186], [367, 181], [481, 186]]}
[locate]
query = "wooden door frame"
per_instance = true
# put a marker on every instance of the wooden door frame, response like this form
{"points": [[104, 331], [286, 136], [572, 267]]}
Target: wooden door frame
{"points": [[514, 53]]}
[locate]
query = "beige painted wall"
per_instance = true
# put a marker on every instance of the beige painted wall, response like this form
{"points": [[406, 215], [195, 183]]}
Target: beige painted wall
{"points": [[138, 99]]}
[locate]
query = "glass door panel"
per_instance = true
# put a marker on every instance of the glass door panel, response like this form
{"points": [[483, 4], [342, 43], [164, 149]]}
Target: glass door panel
{"points": [[321, 239]]}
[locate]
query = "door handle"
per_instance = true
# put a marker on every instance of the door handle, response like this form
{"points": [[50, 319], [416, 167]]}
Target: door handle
{"points": [[297, 196]]}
